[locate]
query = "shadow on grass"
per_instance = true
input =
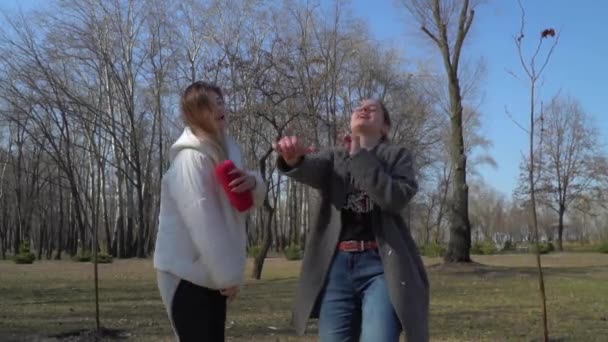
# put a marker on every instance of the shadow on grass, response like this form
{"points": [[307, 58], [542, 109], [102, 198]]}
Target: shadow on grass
{"points": [[92, 335], [491, 271], [283, 329], [488, 324], [74, 335]]}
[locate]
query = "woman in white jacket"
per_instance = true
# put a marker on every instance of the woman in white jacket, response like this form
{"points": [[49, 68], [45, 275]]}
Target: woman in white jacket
{"points": [[200, 251]]}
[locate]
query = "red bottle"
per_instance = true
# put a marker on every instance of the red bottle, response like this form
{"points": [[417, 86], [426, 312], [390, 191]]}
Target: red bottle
{"points": [[241, 201]]}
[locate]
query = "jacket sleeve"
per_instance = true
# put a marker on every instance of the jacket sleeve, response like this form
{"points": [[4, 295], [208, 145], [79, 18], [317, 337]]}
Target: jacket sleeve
{"points": [[313, 170], [198, 206], [390, 189]]}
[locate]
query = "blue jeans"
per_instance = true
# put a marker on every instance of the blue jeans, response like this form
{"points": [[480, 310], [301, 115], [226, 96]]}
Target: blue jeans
{"points": [[356, 304]]}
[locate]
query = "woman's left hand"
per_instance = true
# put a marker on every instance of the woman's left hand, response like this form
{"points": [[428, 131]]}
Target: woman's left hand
{"points": [[244, 181]]}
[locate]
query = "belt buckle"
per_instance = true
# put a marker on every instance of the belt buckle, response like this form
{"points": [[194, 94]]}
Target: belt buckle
{"points": [[361, 246]]}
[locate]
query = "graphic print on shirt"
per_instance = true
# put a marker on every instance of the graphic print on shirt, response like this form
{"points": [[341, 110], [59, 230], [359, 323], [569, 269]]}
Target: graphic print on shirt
{"points": [[357, 201]]}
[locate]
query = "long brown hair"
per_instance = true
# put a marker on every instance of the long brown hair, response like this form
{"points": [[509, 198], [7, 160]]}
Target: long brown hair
{"points": [[387, 120], [197, 112]]}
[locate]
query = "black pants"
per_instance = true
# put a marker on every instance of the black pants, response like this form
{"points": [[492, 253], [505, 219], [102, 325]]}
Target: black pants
{"points": [[198, 313]]}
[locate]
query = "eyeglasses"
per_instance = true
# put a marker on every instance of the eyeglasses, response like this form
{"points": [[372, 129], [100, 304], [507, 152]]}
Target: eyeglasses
{"points": [[366, 109]]}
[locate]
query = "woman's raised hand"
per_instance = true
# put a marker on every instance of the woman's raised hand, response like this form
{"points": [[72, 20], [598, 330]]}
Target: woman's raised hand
{"points": [[291, 149]]}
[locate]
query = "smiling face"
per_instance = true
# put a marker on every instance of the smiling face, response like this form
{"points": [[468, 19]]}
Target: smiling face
{"points": [[204, 110], [368, 119], [220, 114]]}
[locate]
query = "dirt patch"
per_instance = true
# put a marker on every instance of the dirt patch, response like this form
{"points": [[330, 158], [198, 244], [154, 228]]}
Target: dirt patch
{"points": [[464, 268], [104, 334]]}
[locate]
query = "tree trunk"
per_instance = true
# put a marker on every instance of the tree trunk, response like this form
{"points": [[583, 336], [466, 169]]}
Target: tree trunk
{"points": [[541, 278], [427, 224], [3, 231], [277, 238], [106, 218], [258, 262], [141, 232], [560, 228], [50, 242], [460, 227], [130, 242], [17, 237], [41, 241], [61, 224], [96, 279]]}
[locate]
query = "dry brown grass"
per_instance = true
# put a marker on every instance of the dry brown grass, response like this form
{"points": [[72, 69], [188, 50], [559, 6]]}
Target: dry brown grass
{"points": [[494, 302]]}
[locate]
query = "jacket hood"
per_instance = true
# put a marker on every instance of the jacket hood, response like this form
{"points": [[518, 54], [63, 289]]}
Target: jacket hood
{"points": [[186, 140]]}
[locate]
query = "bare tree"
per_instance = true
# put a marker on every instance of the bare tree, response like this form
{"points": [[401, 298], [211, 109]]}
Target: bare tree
{"points": [[533, 71], [446, 23], [90, 99], [487, 211], [570, 160]]}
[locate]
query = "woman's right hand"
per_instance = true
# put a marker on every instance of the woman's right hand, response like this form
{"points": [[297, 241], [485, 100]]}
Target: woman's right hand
{"points": [[230, 292], [291, 150]]}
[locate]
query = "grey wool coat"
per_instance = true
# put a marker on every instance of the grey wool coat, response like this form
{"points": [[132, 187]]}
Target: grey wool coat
{"points": [[386, 174]]}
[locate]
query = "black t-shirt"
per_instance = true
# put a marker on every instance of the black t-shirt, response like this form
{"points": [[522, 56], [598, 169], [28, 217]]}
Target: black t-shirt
{"points": [[357, 217]]}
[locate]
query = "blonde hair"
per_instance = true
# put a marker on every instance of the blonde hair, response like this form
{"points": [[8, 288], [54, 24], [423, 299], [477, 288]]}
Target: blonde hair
{"points": [[197, 112]]}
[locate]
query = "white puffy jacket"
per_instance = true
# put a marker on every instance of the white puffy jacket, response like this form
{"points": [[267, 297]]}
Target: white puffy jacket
{"points": [[201, 237]]}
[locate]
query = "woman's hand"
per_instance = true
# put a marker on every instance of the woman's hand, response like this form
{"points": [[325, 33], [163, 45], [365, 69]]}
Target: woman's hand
{"points": [[291, 150], [244, 181], [231, 292]]}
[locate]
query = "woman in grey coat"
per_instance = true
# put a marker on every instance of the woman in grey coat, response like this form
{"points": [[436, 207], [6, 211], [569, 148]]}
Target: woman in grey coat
{"points": [[361, 275]]}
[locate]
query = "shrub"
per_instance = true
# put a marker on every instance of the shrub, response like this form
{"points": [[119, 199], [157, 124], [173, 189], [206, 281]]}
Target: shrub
{"points": [[579, 247], [432, 250], [25, 256], [484, 248], [254, 251], [293, 252], [104, 258], [83, 257], [603, 247], [544, 248], [509, 246]]}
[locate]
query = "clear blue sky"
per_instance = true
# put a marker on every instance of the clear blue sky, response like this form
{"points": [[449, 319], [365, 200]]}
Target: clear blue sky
{"points": [[579, 65]]}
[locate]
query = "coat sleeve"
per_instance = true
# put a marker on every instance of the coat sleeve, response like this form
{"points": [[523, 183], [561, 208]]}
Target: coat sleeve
{"points": [[198, 206], [313, 170], [390, 188]]}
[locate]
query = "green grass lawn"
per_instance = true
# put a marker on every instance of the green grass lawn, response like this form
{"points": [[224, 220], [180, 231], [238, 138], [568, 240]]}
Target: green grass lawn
{"points": [[497, 301]]}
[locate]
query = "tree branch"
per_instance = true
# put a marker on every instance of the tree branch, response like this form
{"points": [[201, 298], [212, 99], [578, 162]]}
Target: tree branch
{"points": [[431, 35], [515, 121], [464, 24]]}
